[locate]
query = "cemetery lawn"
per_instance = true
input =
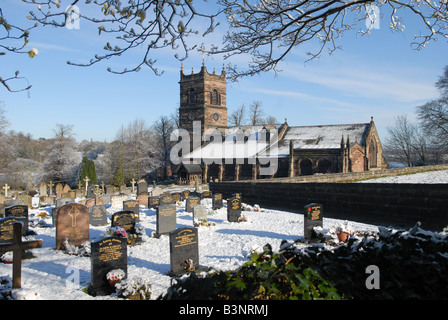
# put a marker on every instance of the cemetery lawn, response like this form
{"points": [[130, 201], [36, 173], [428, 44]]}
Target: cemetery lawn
{"points": [[54, 275]]}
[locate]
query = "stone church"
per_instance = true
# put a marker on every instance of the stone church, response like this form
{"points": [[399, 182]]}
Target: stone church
{"points": [[242, 153]]}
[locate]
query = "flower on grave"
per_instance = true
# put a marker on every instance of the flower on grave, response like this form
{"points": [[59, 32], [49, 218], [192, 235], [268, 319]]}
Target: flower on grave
{"points": [[344, 227], [116, 232], [115, 275], [189, 265], [135, 289]]}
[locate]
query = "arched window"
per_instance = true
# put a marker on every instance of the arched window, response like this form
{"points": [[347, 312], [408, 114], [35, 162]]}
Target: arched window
{"points": [[191, 96], [214, 97], [372, 154]]}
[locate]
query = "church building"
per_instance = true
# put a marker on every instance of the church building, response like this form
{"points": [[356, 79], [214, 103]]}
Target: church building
{"points": [[255, 152]]}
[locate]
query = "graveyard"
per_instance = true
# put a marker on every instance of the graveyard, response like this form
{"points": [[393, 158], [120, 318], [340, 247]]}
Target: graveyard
{"points": [[77, 246]]}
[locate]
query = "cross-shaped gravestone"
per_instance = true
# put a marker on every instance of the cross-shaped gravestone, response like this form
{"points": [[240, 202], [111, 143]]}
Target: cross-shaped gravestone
{"points": [[133, 184], [51, 188], [86, 179], [17, 246], [102, 186], [6, 187], [79, 184], [97, 194]]}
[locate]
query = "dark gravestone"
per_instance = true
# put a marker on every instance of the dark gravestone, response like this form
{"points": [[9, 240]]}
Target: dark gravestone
{"points": [[20, 211], [165, 219], [206, 194], [106, 255], [312, 218], [184, 251], [90, 191], [233, 209], [142, 187], [185, 194], [125, 220], [153, 202], [97, 215], [109, 189], [134, 206], [166, 199], [59, 203], [6, 228], [216, 201], [72, 223], [192, 202], [177, 196]]}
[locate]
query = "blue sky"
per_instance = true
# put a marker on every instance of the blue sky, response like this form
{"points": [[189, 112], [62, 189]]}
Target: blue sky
{"points": [[377, 75]]}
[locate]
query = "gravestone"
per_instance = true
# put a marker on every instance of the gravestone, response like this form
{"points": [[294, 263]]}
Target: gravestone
{"points": [[185, 194], [233, 209], [143, 198], [90, 191], [105, 198], [166, 199], [27, 199], [192, 202], [17, 247], [6, 228], [156, 192], [72, 223], [216, 201], [313, 217], [66, 189], [165, 219], [58, 190], [43, 189], [184, 251], [206, 194], [109, 189], [153, 202], [125, 220], [134, 206], [116, 200], [199, 213], [142, 186], [20, 211], [59, 203], [13, 202], [177, 196], [106, 255], [97, 215], [238, 195], [64, 200]]}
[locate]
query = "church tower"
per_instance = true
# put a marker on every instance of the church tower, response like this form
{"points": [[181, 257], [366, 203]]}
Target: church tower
{"points": [[203, 98]]}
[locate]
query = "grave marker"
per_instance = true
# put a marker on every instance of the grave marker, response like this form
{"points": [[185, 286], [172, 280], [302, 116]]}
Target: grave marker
{"points": [[20, 211], [106, 255], [216, 201], [313, 217], [72, 223], [42, 189], [17, 246], [134, 206], [125, 220], [153, 202], [97, 215], [191, 202], [6, 188], [184, 251], [199, 213], [142, 186], [233, 209], [166, 199], [165, 219], [6, 228]]}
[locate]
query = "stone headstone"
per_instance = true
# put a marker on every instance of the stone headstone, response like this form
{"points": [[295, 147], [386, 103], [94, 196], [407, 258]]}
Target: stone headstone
{"points": [[206, 194], [216, 201], [109, 189], [97, 215], [143, 198], [125, 220], [142, 186], [58, 190], [20, 211], [199, 213], [185, 194], [156, 192], [6, 228], [106, 255], [27, 199], [66, 189], [105, 198], [116, 200], [13, 202], [313, 217], [91, 191], [166, 199], [177, 196], [153, 202], [233, 209], [191, 202], [72, 223], [184, 251], [43, 189], [134, 206], [61, 201], [165, 219]]}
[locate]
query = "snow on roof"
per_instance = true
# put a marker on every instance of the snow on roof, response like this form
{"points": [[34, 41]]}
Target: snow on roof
{"points": [[326, 136]]}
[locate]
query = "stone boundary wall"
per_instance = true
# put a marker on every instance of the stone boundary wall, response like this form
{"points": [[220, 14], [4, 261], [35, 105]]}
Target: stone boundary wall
{"points": [[355, 176], [387, 204]]}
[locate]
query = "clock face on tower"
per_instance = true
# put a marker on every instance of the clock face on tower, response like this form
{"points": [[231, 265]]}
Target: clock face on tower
{"points": [[191, 116], [216, 117]]}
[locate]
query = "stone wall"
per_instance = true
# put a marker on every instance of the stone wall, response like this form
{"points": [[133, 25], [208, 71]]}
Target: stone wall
{"points": [[398, 205]]}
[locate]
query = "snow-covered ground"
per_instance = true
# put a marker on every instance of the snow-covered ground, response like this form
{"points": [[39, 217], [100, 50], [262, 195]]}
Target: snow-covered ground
{"points": [[53, 275], [440, 176]]}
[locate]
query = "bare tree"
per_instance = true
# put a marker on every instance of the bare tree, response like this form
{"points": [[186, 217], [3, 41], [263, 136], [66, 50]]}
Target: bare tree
{"points": [[238, 116], [162, 129], [433, 117], [256, 113], [400, 140]]}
